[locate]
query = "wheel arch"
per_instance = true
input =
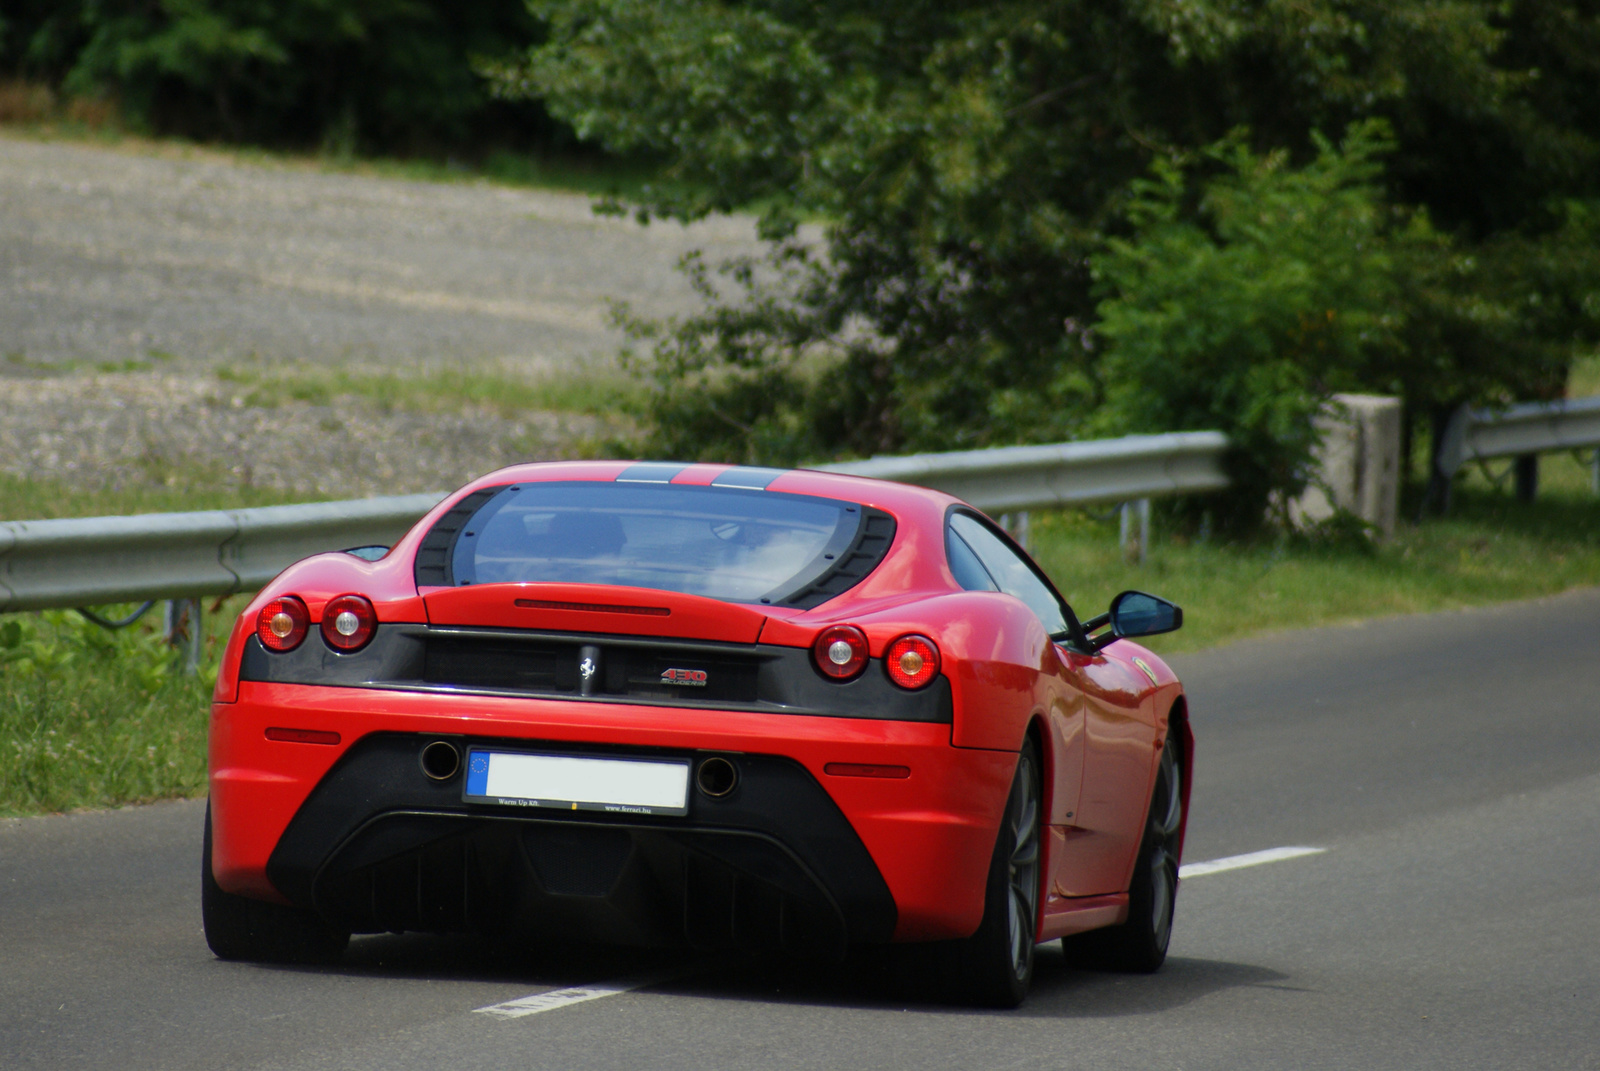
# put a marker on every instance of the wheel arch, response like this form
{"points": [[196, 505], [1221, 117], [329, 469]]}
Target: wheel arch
{"points": [[1178, 728]]}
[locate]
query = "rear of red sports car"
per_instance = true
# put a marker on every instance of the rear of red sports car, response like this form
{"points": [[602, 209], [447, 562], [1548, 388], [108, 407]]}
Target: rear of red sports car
{"points": [[636, 703]]}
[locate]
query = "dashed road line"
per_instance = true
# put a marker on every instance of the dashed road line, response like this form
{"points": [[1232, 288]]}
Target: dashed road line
{"points": [[552, 999], [1236, 862]]}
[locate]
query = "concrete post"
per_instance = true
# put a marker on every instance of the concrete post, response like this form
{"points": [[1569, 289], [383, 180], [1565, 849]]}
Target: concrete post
{"points": [[1358, 463]]}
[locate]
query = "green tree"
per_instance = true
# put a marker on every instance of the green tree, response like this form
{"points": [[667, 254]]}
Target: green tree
{"points": [[974, 162], [352, 74]]}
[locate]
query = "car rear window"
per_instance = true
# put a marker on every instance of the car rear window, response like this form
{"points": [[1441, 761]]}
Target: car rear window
{"points": [[725, 543]]}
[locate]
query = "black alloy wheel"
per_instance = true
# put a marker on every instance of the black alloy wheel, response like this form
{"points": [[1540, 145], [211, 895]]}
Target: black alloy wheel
{"points": [[238, 927], [995, 965], [1140, 944]]}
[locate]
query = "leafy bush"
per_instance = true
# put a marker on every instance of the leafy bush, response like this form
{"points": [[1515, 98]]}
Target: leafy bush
{"points": [[1246, 313]]}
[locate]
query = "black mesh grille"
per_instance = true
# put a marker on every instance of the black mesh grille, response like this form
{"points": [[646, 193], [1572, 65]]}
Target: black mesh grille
{"points": [[477, 662], [631, 670]]}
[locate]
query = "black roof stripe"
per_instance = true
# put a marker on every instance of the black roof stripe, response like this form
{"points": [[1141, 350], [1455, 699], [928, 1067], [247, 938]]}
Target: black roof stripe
{"points": [[750, 477], [651, 472]]}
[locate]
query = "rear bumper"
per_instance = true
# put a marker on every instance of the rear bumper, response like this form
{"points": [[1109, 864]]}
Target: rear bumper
{"points": [[337, 826]]}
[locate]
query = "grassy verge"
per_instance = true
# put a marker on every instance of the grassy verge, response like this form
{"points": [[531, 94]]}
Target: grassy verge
{"points": [[23, 499], [432, 391], [577, 171], [1490, 549], [90, 718], [93, 719]]}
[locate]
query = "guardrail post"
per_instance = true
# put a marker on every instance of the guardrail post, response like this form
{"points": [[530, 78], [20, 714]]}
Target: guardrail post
{"points": [[185, 631], [1141, 509], [1527, 477], [1017, 525]]}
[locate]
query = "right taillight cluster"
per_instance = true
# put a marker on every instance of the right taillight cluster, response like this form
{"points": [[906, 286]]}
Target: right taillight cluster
{"points": [[840, 652], [348, 622]]}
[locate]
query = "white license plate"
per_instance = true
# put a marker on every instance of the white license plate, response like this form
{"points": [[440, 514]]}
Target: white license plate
{"points": [[578, 783]]}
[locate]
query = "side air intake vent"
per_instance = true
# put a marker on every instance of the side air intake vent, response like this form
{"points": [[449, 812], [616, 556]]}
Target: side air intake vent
{"points": [[866, 551], [438, 546]]}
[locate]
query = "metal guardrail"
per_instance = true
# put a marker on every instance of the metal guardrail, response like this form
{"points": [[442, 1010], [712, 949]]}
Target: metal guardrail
{"points": [[1517, 431], [1521, 432], [95, 560], [1013, 478]]}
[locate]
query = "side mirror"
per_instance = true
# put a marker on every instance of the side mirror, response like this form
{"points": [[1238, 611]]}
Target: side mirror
{"points": [[1133, 613]]}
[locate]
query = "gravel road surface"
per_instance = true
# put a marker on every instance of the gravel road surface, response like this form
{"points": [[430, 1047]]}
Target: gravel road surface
{"points": [[1448, 764]]}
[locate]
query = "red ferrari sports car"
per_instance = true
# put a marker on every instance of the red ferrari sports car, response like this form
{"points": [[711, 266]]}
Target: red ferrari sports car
{"points": [[657, 703]]}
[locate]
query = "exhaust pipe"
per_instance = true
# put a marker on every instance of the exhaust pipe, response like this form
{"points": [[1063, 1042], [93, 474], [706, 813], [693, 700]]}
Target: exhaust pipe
{"points": [[716, 777], [441, 760]]}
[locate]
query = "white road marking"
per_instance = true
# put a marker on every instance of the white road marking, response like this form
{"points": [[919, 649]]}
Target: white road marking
{"points": [[560, 998], [535, 1003], [1235, 862]]}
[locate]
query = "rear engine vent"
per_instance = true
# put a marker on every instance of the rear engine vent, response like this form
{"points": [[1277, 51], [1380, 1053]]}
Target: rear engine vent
{"points": [[545, 666]]}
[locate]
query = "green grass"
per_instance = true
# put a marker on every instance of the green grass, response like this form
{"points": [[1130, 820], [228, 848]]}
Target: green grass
{"points": [[1490, 549], [189, 490], [94, 719], [433, 391], [90, 718], [572, 171]]}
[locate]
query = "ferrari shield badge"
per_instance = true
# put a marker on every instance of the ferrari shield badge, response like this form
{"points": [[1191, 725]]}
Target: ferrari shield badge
{"points": [[1145, 668]]}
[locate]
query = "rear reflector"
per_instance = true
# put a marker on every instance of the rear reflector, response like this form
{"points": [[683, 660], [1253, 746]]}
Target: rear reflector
{"points": [[859, 769], [303, 736]]}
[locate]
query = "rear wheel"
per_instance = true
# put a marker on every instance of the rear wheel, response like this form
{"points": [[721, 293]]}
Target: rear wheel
{"points": [[995, 965], [1140, 944], [240, 928]]}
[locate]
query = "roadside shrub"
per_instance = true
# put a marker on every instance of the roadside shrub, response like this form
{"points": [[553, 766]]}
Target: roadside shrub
{"points": [[1245, 315]]}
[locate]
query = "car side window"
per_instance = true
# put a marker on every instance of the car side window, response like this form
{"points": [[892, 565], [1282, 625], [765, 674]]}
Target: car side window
{"points": [[969, 571], [1011, 574]]}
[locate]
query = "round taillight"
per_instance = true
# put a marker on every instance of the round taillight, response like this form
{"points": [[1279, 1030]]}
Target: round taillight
{"points": [[348, 622], [912, 661], [282, 624], [840, 652]]}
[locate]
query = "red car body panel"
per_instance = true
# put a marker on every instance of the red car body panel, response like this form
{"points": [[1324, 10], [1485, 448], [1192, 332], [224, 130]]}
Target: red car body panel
{"points": [[1100, 720]]}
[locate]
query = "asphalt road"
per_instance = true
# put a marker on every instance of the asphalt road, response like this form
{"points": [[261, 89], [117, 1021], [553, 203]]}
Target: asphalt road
{"points": [[1449, 764], [108, 255]]}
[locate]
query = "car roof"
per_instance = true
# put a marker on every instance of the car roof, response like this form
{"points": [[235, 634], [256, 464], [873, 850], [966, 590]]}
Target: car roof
{"points": [[910, 503]]}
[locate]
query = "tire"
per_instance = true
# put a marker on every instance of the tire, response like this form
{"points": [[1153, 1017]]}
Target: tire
{"points": [[994, 967], [1140, 944], [240, 928]]}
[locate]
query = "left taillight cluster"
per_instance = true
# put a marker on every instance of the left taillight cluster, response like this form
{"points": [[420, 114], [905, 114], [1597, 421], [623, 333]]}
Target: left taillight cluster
{"points": [[348, 622], [841, 653]]}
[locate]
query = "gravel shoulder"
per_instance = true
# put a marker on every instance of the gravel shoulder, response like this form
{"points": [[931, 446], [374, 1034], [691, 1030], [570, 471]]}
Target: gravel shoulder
{"points": [[179, 263], [108, 255]]}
